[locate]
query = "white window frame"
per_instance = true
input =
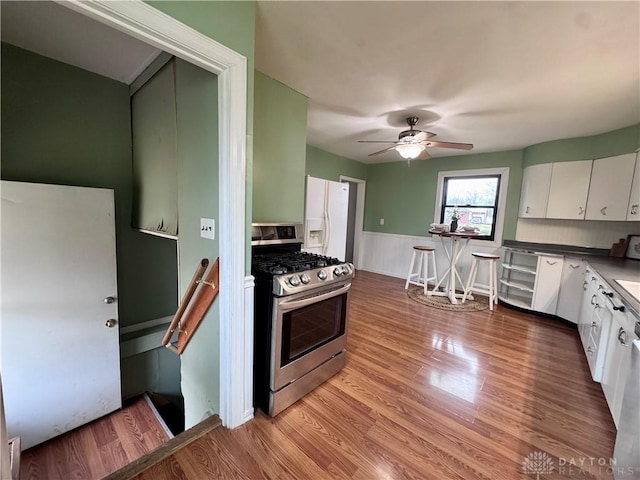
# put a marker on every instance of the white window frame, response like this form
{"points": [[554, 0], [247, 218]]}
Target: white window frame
{"points": [[502, 198]]}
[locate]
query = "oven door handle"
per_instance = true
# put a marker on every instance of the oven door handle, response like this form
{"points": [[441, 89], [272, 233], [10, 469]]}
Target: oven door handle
{"points": [[285, 306]]}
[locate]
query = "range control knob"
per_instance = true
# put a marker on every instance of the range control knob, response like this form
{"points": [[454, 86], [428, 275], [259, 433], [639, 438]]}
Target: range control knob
{"points": [[304, 278], [337, 271], [294, 281], [322, 275], [345, 269]]}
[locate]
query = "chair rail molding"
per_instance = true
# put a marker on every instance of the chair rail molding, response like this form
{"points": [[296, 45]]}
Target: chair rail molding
{"points": [[142, 21]]}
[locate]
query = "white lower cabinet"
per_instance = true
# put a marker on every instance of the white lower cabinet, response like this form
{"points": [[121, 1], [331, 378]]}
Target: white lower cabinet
{"points": [[530, 280], [617, 361], [571, 288], [547, 285]]}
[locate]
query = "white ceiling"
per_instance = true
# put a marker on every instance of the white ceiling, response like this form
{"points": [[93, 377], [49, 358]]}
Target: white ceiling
{"points": [[500, 75], [64, 35]]}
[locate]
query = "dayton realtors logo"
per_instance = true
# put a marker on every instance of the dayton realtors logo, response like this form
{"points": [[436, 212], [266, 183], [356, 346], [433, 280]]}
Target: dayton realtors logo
{"points": [[537, 463]]}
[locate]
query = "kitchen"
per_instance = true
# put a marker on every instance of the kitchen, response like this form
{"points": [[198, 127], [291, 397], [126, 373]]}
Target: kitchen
{"points": [[394, 189]]}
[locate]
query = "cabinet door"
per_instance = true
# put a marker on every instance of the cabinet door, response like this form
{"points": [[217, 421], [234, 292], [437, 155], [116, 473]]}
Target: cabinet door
{"points": [[545, 292], [155, 154], [535, 191], [569, 189], [610, 187], [571, 289], [633, 212], [616, 366]]}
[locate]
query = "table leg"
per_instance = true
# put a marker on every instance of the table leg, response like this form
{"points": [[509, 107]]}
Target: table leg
{"points": [[454, 272]]}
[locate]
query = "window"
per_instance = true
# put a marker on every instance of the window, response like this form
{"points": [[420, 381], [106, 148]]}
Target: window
{"points": [[477, 196]]}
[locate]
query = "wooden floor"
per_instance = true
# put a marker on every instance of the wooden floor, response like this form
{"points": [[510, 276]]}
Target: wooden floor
{"points": [[426, 394], [97, 449]]}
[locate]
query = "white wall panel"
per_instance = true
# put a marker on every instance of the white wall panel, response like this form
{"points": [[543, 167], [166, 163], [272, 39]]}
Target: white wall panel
{"points": [[390, 254]]}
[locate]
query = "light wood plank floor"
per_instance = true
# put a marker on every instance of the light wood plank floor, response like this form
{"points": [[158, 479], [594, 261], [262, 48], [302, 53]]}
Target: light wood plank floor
{"points": [[425, 394], [97, 449]]}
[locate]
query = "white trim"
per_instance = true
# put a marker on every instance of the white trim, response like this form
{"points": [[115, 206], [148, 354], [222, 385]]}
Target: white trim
{"points": [[502, 200], [170, 236], [145, 23], [248, 409], [357, 235]]}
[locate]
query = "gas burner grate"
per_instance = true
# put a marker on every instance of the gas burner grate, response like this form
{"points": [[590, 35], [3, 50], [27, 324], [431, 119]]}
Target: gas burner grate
{"points": [[279, 263]]}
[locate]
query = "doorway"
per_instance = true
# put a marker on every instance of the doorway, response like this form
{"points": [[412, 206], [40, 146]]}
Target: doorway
{"points": [[355, 219]]}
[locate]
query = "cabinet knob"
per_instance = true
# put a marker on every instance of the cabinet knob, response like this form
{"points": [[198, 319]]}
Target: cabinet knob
{"points": [[589, 350], [572, 266], [527, 210], [634, 209], [109, 300], [580, 210], [603, 210], [551, 263]]}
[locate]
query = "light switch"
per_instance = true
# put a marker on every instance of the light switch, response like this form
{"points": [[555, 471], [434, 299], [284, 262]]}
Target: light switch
{"points": [[208, 228], [382, 221]]}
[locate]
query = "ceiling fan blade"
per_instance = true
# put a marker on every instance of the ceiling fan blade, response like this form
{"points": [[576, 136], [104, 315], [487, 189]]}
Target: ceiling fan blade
{"points": [[376, 141], [459, 146], [382, 151], [423, 155]]}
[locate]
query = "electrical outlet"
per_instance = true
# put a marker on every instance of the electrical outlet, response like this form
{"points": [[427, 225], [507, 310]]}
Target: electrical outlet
{"points": [[382, 221], [208, 228]]}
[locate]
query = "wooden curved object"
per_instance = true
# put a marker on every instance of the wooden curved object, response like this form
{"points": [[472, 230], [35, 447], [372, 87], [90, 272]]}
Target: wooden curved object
{"points": [[194, 305]]}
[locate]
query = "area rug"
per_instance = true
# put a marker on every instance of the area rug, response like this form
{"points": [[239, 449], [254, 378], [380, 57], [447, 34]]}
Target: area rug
{"points": [[443, 303]]}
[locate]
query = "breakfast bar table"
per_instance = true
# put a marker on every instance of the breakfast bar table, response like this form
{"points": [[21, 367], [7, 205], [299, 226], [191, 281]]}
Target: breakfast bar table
{"points": [[457, 243]]}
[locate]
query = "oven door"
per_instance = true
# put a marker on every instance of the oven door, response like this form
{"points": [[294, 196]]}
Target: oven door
{"points": [[309, 328]]}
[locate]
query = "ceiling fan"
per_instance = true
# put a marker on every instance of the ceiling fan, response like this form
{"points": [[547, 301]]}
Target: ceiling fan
{"points": [[412, 143]]}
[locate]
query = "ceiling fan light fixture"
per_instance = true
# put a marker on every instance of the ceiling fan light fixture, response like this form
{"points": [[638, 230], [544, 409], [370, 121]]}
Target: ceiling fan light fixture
{"points": [[410, 150]]}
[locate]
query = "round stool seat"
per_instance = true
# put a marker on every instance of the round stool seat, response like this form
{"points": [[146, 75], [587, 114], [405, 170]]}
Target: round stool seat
{"points": [[485, 256], [423, 248]]}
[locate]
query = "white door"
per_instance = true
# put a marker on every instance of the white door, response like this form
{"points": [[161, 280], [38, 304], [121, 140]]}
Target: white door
{"points": [[569, 189], [535, 191], [633, 210], [337, 213], [610, 187], [315, 228], [59, 356]]}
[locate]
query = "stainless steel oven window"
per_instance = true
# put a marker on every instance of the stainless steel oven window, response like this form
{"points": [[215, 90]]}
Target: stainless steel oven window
{"points": [[310, 327], [306, 359]]}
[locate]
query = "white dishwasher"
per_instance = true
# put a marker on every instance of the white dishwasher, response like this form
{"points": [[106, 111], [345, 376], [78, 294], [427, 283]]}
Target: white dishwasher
{"points": [[627, 448]]}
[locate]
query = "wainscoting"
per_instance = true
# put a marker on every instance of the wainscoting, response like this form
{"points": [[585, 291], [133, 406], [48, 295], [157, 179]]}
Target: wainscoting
{"points": [[390, 254]]}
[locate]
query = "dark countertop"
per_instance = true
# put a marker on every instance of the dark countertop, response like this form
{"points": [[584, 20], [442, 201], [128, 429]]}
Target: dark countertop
{"points": [[609, 268]]}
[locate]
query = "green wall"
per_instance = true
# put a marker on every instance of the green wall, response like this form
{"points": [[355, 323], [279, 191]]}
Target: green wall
{"points": [[231, 23], [64, 125], [279, 152], [197, 121], [616, 142], [322, 164], [404, 195]]}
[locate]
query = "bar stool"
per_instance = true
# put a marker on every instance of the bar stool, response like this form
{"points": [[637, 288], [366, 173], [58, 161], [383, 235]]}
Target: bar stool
{"points": [[421, 276], [492, 288]]}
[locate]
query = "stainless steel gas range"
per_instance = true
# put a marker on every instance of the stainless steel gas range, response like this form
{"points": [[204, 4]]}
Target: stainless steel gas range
{"points": [[300, 319]]}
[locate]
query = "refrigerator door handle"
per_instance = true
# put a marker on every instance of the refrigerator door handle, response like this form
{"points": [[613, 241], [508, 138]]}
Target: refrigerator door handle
{"points": [[327, 219]]}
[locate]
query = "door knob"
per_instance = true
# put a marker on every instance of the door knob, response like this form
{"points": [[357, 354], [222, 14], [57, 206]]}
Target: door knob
{"points": [[109, 299], [111, 323]]}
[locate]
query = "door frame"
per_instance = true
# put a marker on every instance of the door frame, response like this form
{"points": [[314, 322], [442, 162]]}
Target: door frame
{"points": [[142, 21], [359, 227]]}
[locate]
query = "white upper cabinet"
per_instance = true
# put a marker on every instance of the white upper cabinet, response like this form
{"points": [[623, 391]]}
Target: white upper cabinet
{"points": [[569, 189], [610, 187], [633, 212], [535, 191]]}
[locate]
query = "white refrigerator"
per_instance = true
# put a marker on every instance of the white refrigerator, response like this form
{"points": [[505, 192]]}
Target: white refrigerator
{"points": [[326, 209]]}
